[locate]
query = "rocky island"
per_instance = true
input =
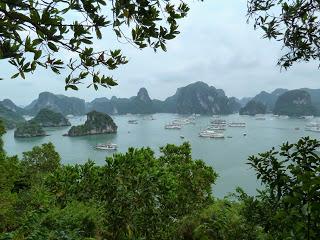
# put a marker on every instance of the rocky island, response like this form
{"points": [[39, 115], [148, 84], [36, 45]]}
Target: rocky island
{"points": [[49, 118], [29, 129], [295, 103], [252, 108], [96, 123]]}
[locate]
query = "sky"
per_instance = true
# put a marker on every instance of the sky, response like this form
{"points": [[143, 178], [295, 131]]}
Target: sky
{"points": [[216, 46]]}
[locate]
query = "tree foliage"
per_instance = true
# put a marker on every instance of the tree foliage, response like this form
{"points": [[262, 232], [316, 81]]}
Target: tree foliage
{"points": [[294, 23], [34, 33], [290, 205]]}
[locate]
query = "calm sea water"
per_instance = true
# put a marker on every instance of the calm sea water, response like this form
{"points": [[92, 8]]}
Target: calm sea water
{"points": [[228, 156]]}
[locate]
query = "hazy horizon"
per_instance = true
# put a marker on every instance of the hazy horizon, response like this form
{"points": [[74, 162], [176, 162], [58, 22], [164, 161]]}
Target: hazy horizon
{"points": [[215, 46]]}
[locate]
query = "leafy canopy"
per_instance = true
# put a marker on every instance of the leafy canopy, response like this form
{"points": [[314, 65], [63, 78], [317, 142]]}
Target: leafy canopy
{"points": [[294, 23], [34, 33]]}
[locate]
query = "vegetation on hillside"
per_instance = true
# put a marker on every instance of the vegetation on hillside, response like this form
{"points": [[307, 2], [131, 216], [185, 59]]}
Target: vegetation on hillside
{"points": [[29, 129], [48, 118]]}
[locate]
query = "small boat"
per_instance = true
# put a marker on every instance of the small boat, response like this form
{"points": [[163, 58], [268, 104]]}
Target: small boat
{"points": [[182, 137], [133, 121], [260, 118], [172, 126], [237, 124], [229, 136], [244, 134], [296, 128], [107, 146]]}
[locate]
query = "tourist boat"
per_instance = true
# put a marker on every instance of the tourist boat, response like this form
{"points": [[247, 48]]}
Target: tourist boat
{"points": [[237, 124], [211, 134], [219, 121], [133, 121], [107, 146], [172, 126]]}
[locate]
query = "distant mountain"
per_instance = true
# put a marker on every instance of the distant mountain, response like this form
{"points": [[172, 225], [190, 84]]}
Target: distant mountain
{"points": [[200, 98], [252, 108], [194, 98], [269, 99], [10, 118], [243, 101], [295, 103], [10, 105], [141, 104], [58, 103]]}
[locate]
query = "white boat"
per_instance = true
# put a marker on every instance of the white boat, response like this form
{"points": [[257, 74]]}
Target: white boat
{"points": [[133, 121], [219, 121], [237, 124], [107, 146], [211, 134], [172, 126]]}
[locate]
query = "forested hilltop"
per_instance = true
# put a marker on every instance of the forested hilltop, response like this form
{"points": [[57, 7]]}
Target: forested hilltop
{"points": [[138, 195]]}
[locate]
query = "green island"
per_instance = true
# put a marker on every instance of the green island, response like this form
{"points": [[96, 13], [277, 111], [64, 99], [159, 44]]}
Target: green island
{"points": [[96, 123], [29, 129], [49, 118]]}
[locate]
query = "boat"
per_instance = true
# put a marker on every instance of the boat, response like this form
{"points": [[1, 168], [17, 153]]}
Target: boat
{"points": [[133, 121], [182, 137], [237, 124], [260, 118], [211, 134], [219, 121], [172, 126], [107, 146]]}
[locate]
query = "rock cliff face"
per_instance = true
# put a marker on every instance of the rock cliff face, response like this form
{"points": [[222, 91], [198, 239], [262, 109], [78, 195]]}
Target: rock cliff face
{"points": [[48, 118], [252, 108], [96, 123], [57, 103], [295, 103], [29, 129]]}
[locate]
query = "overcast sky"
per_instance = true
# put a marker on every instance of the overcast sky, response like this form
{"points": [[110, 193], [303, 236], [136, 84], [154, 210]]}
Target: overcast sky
{"points": [[215, 46]]}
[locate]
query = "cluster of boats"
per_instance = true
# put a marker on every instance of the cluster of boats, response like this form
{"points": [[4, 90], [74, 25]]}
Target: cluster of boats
{"points": [[218, 126], [178, 123]]}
